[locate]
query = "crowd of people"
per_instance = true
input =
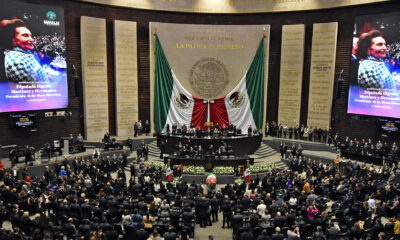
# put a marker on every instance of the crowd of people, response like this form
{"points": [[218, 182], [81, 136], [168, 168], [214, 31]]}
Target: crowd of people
{"points": [[97, 199], [209, 131], [197, 151], [51, 45], [363, 147], [82, 200], [140, 128], [301, 132]]}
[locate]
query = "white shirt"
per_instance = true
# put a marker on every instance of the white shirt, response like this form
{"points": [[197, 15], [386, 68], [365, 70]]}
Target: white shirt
{"points": [[371, 204], [261, 209]]}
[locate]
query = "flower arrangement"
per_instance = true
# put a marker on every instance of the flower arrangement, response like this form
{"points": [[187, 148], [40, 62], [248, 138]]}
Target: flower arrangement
{"points": [[223, 170], [199, 170], [239, 180], [176, 180], [261, 168], [193, 170], [162, 165]]}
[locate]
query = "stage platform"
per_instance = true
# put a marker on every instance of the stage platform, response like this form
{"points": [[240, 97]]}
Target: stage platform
{"points": [[241, 144]]}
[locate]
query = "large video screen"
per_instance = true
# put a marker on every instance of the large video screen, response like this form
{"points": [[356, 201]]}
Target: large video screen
{"points": [[375, 66], [33, 69]]}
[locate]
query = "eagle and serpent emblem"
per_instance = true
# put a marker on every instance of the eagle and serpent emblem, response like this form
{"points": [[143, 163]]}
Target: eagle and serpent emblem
{"points": [[182, 101], [237, 99], [208, 77]]}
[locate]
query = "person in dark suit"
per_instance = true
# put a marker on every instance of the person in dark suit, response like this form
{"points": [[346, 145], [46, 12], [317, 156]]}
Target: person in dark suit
{"points": [[12, 154], [145, 152], [27, 154], [174, 128], [277, 235], [230, 127], [279, 220], [184, 130], [107, 137], [227, 212], [162, 148], [129, 142], [135, 129], [170, 234], [146, 127]]}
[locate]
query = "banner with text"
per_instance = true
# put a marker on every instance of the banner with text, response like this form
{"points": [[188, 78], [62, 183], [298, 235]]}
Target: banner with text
{"points": [[322, 74], [292, 59], [94, 76], [126, 78]]}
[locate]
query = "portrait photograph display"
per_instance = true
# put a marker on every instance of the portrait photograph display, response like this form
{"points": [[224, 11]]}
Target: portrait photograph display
{"points": [[375, 66], [33, 68]]}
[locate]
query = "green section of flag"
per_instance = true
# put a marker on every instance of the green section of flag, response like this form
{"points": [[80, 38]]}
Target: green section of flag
{"points": [[255, 85], [163, 88]]}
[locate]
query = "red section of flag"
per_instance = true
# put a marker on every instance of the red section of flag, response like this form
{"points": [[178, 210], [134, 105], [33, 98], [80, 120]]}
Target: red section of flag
{"points": [[247, 175], [218, 113], [199, 113], [168, 173]]}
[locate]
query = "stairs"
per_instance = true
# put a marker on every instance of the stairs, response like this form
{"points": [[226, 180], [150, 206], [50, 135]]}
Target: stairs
{"points": [[154, 151], [266, 155], [264, 151]]}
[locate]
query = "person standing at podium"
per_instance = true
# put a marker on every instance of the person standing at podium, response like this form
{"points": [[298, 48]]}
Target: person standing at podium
{"points": [[79, 142]]}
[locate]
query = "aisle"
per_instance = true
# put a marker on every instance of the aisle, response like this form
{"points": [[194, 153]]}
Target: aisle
{"points": [[216, 230]]}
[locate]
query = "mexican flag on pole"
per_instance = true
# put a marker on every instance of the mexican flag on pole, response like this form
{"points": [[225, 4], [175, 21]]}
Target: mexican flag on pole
{"points": [[168, 173], [172, 103], [247, 175], [243, 106]]}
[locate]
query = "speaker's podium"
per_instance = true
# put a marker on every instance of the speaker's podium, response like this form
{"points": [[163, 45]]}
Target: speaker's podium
{"points": [[67, 144]]}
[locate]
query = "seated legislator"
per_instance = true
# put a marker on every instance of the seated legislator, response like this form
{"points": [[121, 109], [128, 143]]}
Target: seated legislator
{"points": [[183, 152], [211, 150], [222, 152], [192, 152], [200, 151], [178, 146]]}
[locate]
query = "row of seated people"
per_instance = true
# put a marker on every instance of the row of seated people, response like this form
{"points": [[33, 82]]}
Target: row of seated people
{"points": [[369, 148], [189, 150], [208, 131]]}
